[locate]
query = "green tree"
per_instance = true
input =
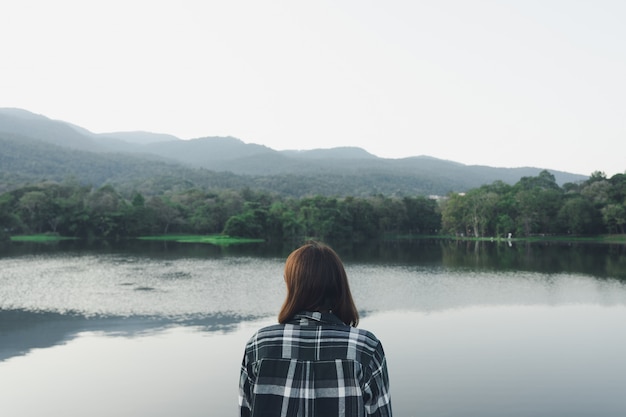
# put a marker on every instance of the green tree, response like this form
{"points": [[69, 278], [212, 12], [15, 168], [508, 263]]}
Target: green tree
{"points": [[251, 223], [453, 216], [165, 212], [538, 202], [391, 214], [106, 208], [617, 192], [579, 216], [9, 221], [283, 222], [422, 216], [33, 205], [597, 192], [324, 218], [137, 218], [614, 217], [362, 217], [481, 211]]}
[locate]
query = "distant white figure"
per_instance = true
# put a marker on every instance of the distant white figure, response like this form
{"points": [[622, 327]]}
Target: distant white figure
{"points": [[510, 234]]}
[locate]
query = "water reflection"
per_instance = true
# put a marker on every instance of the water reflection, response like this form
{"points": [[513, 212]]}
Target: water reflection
{"points": [[483, 361], [22, 331], [482, 329], [506, 360], [48, 298], [178, 371], [598, 260]]}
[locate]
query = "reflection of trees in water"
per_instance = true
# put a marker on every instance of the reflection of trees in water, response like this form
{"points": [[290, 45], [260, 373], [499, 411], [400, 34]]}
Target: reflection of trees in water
{"points": [[416, 252], [616, 261], [599, 260], [21, 331]]}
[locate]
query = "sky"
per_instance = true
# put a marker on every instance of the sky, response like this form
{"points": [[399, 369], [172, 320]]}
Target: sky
{"points": [[497, 83]]}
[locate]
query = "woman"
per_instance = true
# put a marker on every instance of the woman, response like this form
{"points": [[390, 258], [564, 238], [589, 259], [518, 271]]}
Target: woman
{"points": [[315, 362]]}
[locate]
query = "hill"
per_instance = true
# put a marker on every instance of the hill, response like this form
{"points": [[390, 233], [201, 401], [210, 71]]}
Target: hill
{"points": [[25, 161], [22, 123], [36, 148]]}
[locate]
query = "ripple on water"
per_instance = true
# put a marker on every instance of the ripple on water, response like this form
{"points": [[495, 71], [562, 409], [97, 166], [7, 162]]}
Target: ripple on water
{"points": [[115, 285], [246, 286]]}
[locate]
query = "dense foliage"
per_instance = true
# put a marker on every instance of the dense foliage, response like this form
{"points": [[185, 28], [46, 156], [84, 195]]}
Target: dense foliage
{"points": [[533, 206], [538, 206], [71, 209]]}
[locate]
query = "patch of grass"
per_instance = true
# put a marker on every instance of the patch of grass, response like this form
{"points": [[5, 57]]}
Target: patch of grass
{"points": [[211, 239], [614, 238], [40, 238]]}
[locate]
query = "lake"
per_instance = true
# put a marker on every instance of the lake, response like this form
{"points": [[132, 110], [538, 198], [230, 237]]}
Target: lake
{"points": [[158, 329]]}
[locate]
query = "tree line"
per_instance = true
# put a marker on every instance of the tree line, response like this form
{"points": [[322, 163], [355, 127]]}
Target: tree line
{"points": [[74, 210], [538, 206], [533, 206]]}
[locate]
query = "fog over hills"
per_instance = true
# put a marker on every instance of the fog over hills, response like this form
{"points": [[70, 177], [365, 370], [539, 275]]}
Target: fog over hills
{"points": [[139, 137], [36, 148]]}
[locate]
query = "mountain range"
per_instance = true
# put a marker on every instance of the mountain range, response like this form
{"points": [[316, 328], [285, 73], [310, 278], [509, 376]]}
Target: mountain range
{"points": [[36, 148]]}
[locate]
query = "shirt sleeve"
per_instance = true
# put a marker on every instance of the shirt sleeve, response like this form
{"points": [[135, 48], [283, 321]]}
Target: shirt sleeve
{"points": [[245, 390], [376, 391]]}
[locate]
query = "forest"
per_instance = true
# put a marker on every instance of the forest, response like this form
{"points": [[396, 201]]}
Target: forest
{"points": [[534, 206], [537, 206]]}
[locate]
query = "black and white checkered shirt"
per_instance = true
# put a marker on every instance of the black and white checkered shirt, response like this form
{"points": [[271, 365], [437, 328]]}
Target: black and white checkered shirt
{"points": [[314, 366]]}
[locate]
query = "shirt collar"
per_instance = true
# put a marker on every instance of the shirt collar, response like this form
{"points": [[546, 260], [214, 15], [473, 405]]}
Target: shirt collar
{"points": [[315, 318]]}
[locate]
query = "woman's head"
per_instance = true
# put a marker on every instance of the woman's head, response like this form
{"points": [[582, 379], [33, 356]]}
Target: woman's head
{"points": [[317, 281]]}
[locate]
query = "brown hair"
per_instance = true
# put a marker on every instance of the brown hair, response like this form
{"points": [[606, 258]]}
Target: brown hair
{"points": [[317, 281]]}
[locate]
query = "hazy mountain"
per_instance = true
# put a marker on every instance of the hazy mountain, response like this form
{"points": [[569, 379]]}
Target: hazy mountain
{"points": [[35, 148], [21, 113], [23, 123], [206, 152], [139, 137], [25, 161], [345, 152]]}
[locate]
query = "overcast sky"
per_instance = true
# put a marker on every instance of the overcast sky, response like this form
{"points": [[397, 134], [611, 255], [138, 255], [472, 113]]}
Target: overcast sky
{"points": [[499, 83]]}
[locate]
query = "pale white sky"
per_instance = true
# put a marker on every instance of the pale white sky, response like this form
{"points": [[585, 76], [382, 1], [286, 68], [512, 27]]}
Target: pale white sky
{"points": [[499, 83]]}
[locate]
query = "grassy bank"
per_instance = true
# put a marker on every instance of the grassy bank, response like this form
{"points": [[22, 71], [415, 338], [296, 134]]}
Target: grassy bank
{"points": [[211, 239], [229, 240], [41, 238]]}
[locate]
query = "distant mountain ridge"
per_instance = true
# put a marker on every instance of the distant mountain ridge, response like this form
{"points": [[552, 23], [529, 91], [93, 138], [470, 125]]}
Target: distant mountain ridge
{"points": [[20, 122], [140, 137], [342, 152], [341, 170]]}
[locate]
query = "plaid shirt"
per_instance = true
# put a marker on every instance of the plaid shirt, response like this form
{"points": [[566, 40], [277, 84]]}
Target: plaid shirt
{"points": [[314, 366]]}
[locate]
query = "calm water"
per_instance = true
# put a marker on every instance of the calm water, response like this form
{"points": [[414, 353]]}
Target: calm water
{"points": [[469, 330]]}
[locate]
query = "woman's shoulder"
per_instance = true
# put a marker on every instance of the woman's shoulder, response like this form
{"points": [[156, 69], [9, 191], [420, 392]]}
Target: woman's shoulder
{"points": [[365, 336], [315, 330], [270, 330]]}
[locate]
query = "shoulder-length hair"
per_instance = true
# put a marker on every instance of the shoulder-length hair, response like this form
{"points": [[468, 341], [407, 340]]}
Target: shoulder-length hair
{"points": [[317, 281]]}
